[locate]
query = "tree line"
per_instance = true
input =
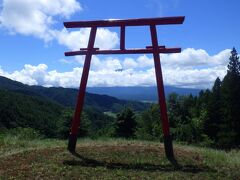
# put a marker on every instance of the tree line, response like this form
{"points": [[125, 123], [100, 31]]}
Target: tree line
{"points": [[211, 119]]}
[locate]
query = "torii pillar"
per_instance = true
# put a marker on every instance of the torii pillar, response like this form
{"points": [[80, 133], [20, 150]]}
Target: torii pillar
{"points": [[154, 49]]}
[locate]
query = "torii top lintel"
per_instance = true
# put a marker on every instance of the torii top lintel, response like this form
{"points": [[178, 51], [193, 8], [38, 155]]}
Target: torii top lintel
{"points": [[126, 22], [122, 24]]}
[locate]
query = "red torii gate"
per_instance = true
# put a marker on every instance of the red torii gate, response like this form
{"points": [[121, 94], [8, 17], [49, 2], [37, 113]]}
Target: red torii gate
{"points": [[155, 49]]}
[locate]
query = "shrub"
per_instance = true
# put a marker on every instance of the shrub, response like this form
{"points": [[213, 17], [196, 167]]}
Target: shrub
{"points": [[24, 133]]}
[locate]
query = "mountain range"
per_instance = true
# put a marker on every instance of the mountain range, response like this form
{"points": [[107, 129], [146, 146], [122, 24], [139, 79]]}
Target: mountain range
{"points": [[140, 93], [67, 96]]}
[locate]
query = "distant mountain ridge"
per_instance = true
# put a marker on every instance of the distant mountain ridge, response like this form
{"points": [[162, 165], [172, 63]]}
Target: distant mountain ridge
{"points": [[140, 93], [59, 94], [67, 96]]}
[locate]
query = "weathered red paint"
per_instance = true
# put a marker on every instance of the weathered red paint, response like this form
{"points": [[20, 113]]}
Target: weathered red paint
{"points": [[122, 38], [159, 79], [154, 49], [82, 89], [148, 50]]}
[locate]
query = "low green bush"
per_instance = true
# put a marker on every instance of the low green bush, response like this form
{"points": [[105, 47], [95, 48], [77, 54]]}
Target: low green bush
{"points": [[22, 133]]}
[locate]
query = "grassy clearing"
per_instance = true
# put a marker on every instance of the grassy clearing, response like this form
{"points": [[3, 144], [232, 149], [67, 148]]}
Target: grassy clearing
{"points": [[113, 159]]}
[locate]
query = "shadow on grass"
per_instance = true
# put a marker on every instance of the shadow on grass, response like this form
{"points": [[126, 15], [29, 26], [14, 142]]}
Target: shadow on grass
{"points": [[174, 166]]}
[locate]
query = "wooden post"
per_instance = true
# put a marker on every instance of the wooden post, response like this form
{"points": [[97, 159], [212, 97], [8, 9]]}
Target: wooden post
{"points": [[80, 100], [161, 95]]}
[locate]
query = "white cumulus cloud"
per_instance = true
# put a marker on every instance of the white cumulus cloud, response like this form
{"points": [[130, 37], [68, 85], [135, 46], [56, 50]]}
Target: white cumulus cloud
{"points": [[74, 40], [36, 17], [195, 58], [200, 72]]}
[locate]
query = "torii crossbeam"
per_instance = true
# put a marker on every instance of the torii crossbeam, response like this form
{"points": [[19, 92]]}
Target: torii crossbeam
{"points": [[154, 49]]}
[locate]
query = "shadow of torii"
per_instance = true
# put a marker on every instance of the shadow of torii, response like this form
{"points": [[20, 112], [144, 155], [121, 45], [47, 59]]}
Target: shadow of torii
{"points": [[173, 166]]}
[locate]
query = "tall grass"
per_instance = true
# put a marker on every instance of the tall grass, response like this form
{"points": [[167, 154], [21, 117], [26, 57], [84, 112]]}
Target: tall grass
{"points": [[21, 139]]}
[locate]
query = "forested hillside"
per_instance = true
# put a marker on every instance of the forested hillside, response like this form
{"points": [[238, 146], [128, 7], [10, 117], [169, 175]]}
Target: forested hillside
{"points": [[67, 96], [48, 118], [17, 110], [50, 110]]}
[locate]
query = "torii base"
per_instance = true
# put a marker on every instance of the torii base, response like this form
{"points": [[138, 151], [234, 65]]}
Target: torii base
{"points": [[168, 147], [72, 141]]}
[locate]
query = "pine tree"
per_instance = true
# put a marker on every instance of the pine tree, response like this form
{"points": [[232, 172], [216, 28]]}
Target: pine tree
{"points": [[229, 135], [214, 111], [126, 123], [234, 64]]}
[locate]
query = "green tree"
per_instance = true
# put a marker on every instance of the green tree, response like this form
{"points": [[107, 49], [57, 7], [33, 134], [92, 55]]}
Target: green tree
{"points": [[234, 64], [229, 134], [184, 126], [214, 116], [64, 124], [126, 123], [148, 124]]}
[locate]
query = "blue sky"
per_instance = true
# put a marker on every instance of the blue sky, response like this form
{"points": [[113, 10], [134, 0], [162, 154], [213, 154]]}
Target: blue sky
{"points": [[33, 41]]}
